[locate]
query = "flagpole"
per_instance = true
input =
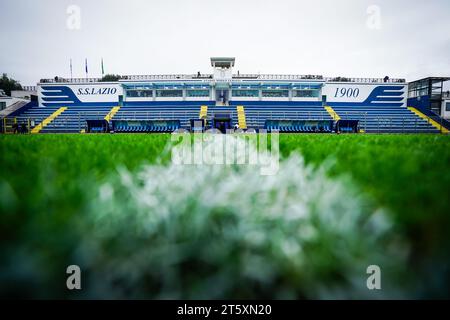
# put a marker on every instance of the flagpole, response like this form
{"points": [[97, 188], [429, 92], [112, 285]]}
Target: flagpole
{"points": [[71, 75], [86, 67]]}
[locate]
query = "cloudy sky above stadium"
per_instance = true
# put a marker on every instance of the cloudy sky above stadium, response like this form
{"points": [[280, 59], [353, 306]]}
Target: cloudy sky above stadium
{"points": [[404, 38]]}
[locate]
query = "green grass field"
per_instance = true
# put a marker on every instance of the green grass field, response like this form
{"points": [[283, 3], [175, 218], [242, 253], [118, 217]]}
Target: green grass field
{"points": [[141, 227]]}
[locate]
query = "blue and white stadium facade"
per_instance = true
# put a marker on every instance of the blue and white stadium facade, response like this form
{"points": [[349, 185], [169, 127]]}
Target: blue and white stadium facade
{"points": [[290, 103]]}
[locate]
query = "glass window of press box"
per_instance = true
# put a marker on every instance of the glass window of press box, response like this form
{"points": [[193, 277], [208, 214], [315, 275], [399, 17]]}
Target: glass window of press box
{"points": [[197, 93], [418, 89], [305, 93], [244, 93], [140, 93], [169, 93], [275, 93]]}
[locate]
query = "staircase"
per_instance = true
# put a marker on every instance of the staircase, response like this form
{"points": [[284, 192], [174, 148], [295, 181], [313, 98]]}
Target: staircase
{"points": [[438, 126], [332, 113], [112, 113], [203, 112], [48, 120], [16, 106], [241, 117]]}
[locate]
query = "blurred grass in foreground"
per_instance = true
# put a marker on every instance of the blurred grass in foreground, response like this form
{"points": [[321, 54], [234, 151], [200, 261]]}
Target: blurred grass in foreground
{"points": [[408, 174], [47, 184]]}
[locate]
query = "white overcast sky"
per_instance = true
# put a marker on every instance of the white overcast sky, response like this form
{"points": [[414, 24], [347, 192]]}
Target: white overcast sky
{"points": [[327, 37]]}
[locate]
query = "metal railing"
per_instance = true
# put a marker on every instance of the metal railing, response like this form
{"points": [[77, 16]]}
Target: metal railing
{"points": [[183, 116], [131, 77], [70, 80], [258, 118], [231, 113], [29, 88], [315, 77], [364, 80], [254, 119], [443, 124], [277, 76], [11, 125], [380, 124], [235, 76]]}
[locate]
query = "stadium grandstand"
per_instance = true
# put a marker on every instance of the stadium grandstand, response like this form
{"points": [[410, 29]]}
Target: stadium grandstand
{"points": [[225, 100]]}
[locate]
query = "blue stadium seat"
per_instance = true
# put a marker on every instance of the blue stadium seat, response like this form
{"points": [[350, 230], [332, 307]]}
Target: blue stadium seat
{"points": [[371, 118], [387, 119]]}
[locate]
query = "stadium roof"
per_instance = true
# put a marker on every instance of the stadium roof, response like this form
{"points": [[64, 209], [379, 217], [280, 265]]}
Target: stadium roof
{"points": [[432, 78], [222, 62]]}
